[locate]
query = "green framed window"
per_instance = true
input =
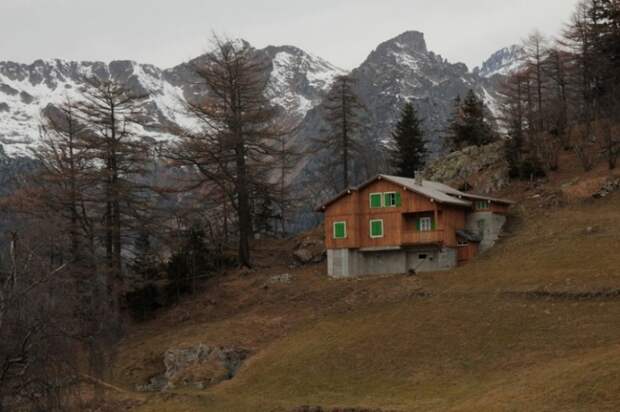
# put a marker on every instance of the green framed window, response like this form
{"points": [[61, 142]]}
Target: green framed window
{"points": [[392, 199], [376, 200], [483, 204], [425, 224], [340, 230], [376, 228]]}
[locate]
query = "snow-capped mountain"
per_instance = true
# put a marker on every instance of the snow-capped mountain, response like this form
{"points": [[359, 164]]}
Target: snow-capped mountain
{"points": [[403, 69], [502, 62], [25, 90], [297, 83], [399, 69], [298, 80]]}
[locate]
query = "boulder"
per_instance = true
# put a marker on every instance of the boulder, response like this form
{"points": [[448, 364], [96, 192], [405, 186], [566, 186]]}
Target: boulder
{"points": [[283, 278], [481, 168], [303, 255], [196, 366], [310, 250]]}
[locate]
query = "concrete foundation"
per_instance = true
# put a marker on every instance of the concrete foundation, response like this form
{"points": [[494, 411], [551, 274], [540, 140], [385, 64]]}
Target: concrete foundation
{"points": [[487, 225], [342, 263]]}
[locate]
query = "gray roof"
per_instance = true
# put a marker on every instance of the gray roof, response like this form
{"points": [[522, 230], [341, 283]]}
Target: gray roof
{"points": [[436, 191], [442, 188]]}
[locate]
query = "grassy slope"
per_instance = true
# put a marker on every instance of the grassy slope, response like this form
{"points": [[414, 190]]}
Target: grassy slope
{"points": [[464, 344]]}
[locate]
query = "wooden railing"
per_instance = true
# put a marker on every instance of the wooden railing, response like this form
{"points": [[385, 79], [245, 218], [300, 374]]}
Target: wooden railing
{"points": [[422, 238], [411, 208]]}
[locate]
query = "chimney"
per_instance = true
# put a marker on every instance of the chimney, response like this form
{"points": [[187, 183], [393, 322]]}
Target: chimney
{"points": [[419, 180]]}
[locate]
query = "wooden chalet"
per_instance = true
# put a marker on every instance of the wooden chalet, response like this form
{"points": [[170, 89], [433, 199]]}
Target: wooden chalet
{"points": [[393, 224]]}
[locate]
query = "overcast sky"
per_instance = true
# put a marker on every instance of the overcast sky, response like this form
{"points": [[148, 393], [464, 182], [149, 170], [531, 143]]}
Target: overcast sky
{"points": [[168, 32]]}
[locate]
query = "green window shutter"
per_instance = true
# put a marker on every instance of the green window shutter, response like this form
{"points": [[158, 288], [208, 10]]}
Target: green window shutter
{"points": [[398, 199], [340, 230], [433, 224], [375, 200], [376, 228], [417, 224]]}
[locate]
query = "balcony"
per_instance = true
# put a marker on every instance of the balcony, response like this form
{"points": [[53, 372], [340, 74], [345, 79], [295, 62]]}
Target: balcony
{"points": [[432, 237], [415, 208]]}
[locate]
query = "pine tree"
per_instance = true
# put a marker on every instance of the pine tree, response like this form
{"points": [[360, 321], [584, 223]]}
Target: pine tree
{"points": [[409, 152], [468, 126]]}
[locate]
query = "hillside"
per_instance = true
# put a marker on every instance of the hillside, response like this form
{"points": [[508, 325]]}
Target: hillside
{"points": [[531, 325]]}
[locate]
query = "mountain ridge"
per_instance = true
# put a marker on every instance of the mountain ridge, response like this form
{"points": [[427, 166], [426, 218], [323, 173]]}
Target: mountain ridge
{"points": [[398, 69]]}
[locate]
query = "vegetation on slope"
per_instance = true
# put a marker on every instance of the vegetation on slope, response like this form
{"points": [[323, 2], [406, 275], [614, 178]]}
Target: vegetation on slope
{"points": [[532, 325]]}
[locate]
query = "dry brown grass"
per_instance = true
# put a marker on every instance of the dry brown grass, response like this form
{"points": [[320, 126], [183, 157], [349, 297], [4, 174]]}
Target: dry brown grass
{"points": [[473, 340]]}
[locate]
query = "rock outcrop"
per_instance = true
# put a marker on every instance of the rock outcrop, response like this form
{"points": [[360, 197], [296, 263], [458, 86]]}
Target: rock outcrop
{"points": [[482, 169], [198, 366], [611, 185], [310, 249]]}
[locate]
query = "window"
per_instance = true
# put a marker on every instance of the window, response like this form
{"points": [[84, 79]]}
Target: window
{"points": [[375, 200], [340, 230], [392, 199], [483, 204], [376, 228], [422, 256], [425, 224]]}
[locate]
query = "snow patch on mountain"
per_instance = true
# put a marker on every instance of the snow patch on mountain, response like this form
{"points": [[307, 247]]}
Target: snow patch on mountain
{"points": [[298, 80], [25, 90], [502, 62]]}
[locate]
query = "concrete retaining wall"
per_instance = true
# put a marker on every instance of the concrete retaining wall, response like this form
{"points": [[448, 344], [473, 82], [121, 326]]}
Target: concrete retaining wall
{"points": [[342, 263], [487, 225]]}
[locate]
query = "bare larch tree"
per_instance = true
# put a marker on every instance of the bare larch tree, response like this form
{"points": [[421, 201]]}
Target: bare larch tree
{"points": [[342, 113], [237, 146]]}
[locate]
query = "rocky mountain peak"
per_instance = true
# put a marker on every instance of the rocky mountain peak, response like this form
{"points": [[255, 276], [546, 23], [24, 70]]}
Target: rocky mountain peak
{"points": [[502, 62], [407, 51], [298, 79], [403, 69], [410, 42]]}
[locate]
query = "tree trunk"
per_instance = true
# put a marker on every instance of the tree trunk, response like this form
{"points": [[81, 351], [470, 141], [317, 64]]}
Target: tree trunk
{"points": [[245, 220]]}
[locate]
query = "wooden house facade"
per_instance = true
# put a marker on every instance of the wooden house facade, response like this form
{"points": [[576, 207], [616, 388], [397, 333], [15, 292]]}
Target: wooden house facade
{"points": [[392, 224]]}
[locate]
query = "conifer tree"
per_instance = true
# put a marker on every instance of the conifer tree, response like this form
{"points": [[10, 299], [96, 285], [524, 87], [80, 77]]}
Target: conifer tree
{"points": [[409, 152], [468, 126]]}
